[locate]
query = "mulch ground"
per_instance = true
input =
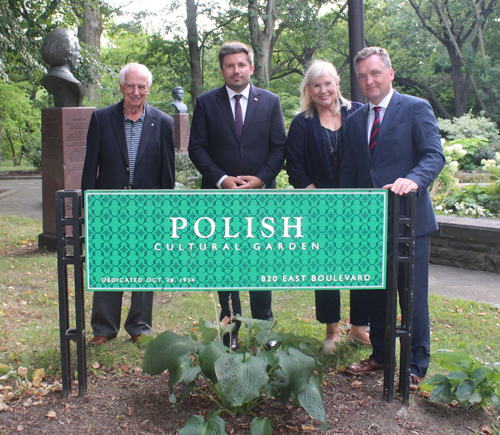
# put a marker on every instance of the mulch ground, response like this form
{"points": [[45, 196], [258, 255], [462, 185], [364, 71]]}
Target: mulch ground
{"points": [[132, 403]]}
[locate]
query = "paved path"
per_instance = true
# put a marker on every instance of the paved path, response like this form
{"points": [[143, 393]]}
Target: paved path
{"points": [[23, 197]]}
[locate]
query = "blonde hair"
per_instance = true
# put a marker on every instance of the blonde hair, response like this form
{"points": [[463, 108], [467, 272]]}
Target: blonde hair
{"points": [[317, 69]]}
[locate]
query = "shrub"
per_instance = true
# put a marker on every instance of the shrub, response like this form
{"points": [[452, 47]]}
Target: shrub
{"points": [[185, 171], [239, 381], [468, 126], [469, 383]]}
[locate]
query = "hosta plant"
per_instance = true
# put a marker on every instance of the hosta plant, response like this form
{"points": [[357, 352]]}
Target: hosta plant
{"points": [[468, 382], [239, 381]]}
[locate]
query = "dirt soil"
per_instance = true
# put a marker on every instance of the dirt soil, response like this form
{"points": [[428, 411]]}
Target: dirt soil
{"points": [[133, 403]]}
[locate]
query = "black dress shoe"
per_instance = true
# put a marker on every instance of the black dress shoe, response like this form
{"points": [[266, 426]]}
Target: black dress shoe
{"points": [[231, 340], [271, 344]]}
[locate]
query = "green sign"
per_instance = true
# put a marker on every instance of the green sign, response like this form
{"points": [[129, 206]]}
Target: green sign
{"points": [[232, 240]]}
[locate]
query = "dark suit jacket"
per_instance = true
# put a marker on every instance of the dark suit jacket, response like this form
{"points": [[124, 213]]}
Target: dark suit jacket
{"points": [[215, 148], [307, 159], [408, 146], [106, 162]]}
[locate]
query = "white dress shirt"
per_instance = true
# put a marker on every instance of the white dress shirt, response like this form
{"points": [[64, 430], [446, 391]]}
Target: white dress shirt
{"points": [[371, 115]]}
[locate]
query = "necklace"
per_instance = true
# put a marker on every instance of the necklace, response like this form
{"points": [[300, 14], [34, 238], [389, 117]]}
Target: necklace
{"points": [[332, 150]]}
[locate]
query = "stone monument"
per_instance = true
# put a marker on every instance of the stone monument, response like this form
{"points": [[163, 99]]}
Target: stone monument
{"points": [[64, 128], [181, 120]]}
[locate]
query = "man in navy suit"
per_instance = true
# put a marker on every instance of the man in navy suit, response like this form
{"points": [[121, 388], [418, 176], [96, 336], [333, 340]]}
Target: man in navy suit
{"points": [[130, 145], [394, 143], [237, 141]]}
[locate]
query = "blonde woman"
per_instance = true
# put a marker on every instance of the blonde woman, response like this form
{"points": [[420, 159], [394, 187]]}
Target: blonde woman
{"points": [[315, 147]]}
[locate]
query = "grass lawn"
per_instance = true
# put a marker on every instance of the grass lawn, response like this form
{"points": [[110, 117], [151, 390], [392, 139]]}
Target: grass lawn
{"points": [[29, 314], [8, 165]]}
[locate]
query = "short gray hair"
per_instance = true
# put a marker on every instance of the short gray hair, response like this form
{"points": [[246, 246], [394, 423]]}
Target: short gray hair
{"points": [[370, 51], [131, 66], [233, 47]]}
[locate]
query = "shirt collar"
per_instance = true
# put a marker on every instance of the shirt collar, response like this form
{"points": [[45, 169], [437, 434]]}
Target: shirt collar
{"points": [[141, 118], [245, 92], [385, 102]]}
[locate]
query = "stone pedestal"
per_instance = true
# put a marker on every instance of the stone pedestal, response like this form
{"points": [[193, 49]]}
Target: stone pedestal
{"points": [[64, 142], [181, 126]]}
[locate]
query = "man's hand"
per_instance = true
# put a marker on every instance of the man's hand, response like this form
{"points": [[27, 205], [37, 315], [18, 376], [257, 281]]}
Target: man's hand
{"points": [[232, 182], [249, 182], [401, 186]]}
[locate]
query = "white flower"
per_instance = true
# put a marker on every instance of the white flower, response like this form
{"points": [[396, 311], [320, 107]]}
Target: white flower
{"points": [[454, 166]]}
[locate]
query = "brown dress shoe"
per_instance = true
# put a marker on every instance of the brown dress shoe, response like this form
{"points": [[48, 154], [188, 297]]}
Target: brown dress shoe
{"points": [[137, 338], [415, 382], [365, 366], [98, 340]]}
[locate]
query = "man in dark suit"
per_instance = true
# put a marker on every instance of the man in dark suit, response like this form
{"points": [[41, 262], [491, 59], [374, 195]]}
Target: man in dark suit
{"points": [[130, 145], [237, 141], [394, 143]]}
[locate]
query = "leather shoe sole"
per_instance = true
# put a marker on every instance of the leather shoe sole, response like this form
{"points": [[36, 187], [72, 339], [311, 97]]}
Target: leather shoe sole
{"points": [[365, 366], [98, 340]]}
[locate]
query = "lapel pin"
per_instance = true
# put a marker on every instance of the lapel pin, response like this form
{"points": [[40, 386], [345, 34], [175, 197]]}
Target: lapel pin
{"points": [[256, 99], [152, 125]]}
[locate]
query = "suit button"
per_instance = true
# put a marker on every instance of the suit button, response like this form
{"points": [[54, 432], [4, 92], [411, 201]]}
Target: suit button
{"points": [[372, 171]]}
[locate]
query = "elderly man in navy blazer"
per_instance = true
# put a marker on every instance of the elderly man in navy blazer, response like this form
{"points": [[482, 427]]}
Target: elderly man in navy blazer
{"points": [[394, 143], [237, 141], [130, 145]]}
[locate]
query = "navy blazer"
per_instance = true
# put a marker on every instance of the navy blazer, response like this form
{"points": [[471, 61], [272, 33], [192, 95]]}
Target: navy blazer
{"points": [[307, 158], [216, 150], [106, 162], [408, 146]]}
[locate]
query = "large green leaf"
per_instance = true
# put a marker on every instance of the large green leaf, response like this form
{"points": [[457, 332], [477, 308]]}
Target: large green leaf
{"points": [[431, 382], [465, 389], [261, 426], [208, 330], [452, 361], [442, 393], [311, 400], [209, 353], [181, 370], [266, 335], [241, 377], [457, 376], [494, 400], [165, 346], [296, 340], [196, 425], [297, 367], [277, 386], [255, 323], [480, 373]]}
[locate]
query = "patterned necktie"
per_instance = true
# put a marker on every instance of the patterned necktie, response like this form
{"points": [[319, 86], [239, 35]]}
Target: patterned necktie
{"points": [[238, 116], [375, 130]]}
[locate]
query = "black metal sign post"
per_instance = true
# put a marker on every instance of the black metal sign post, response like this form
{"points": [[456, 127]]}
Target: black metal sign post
{"points": [[70, 253], [400, 264], [400, 270]]}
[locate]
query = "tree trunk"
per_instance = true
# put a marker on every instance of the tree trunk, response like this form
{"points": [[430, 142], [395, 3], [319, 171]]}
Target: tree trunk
{"points": [[194, 51], [262, 40], [89, 32], [461, 83]]}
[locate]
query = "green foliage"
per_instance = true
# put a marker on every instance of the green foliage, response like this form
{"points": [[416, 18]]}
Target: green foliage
{"points": [[468, 382], [471, 145], [469, 126], [21, 122], [282, 181], [185, 171], [240, 380]]}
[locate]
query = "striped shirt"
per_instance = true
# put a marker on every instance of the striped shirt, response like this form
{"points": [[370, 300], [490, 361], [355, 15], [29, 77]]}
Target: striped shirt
{"points": [[133, 132]]}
